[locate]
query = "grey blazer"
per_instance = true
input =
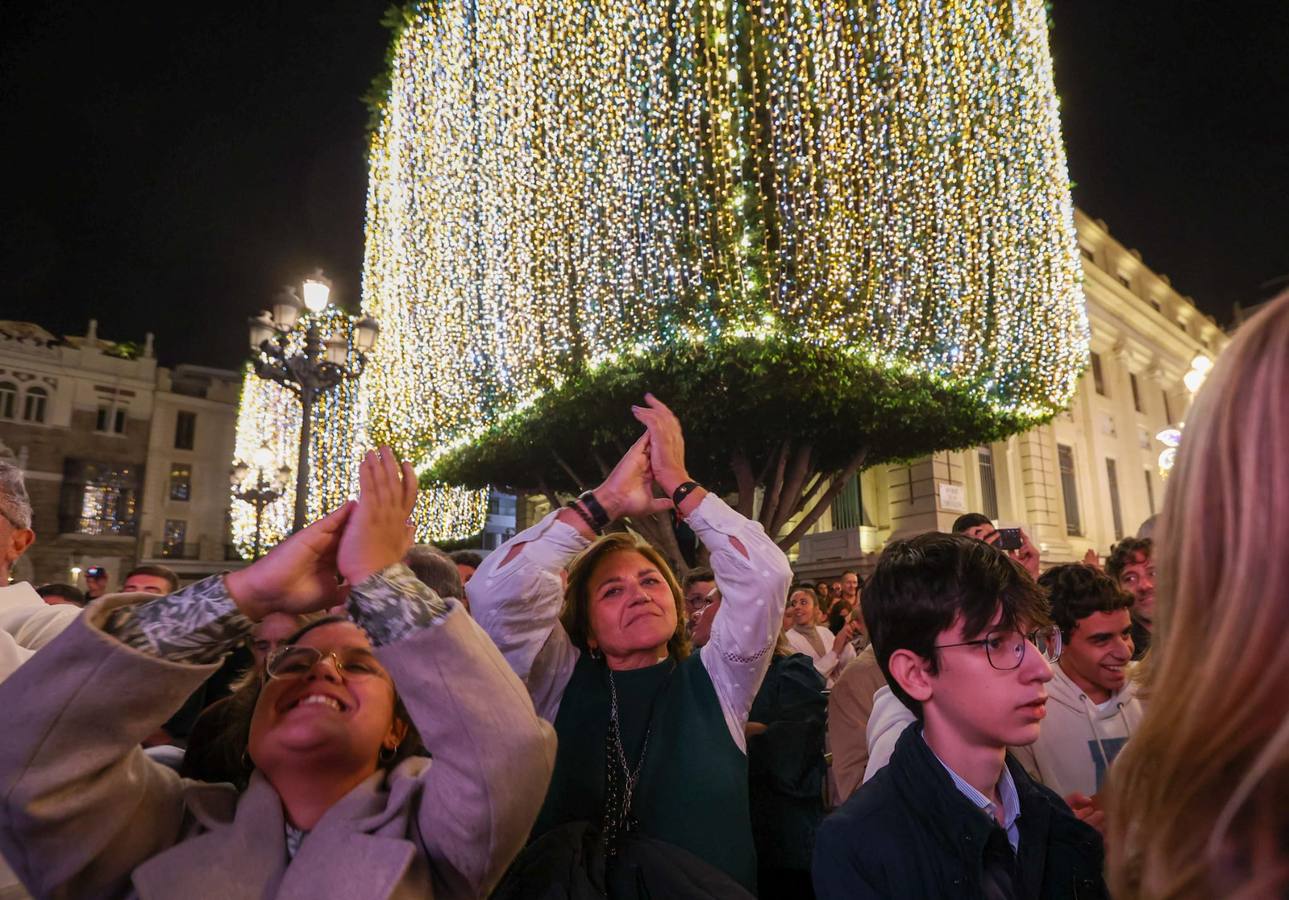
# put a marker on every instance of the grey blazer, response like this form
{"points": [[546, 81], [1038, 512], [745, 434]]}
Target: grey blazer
{"points": [[84, 813]]}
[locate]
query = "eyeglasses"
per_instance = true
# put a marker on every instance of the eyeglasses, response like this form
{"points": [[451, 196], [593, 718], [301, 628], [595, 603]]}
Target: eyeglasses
{"points": [[296, 662], [1005, 649]]}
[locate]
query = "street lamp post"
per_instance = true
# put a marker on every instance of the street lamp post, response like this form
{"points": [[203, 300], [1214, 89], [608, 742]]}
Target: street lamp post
{"points": [[318, 365], [264, 492]]}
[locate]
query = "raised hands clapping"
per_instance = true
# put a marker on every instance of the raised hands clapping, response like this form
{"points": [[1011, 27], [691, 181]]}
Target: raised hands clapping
{"points": [[300, 575]]}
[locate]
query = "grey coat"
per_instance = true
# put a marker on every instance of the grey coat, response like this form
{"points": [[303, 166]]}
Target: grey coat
{"points": [[84, 813]]}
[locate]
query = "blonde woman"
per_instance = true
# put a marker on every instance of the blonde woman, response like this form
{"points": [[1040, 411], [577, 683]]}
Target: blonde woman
{"points": [[1199, 799]]}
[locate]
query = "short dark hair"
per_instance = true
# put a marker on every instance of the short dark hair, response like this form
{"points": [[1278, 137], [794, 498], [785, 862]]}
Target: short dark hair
{"points": [[165, 572], [471, 558], [436, 570], [66, 591], [696, 575], [923, 584], [970, 520], [1124, 553], [1076, 591]]}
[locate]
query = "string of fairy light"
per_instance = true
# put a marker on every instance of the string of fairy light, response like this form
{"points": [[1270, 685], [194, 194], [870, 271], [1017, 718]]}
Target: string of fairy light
{"points": [[557, 185]]}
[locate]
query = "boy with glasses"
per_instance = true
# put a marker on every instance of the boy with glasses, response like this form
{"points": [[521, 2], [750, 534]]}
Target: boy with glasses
{"points": [[962, 635]]}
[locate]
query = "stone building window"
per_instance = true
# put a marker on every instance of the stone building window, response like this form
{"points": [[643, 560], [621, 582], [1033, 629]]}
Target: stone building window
{"points": [[110, 420], [185, 430], [180, 482], [1136, 392], [8, 399], [988, 482], [1098, 375], [1069, 489], [33, 406], [99, 498], [1112, 482]]}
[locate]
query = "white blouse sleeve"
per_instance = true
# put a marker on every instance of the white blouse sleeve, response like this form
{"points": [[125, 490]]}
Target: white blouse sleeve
{"points": [[517, 602], [753, 576]]}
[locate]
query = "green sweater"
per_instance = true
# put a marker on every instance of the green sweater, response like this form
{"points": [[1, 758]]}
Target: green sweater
{"points": [[693, 789]]}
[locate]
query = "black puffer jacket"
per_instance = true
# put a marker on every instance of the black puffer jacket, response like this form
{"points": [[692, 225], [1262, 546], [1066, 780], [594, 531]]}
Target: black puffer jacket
{"points": [[910, 833]]}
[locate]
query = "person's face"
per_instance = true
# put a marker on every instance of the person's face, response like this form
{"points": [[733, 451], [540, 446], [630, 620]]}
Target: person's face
{"points": [[703, 627], [145, 584], [696, 597], [834, 589], [849, 586], [96, 585], [270, 633], [1097, 652], [467, 572], [984, 706], [1138, 579], [347, 727], [979, 532], [801, 608], [14, 542], [58, 600], [632, 607]]}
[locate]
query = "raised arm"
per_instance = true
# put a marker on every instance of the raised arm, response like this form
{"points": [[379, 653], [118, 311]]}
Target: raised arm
{"points": [[492, 755], [515, 596], [82, 805], [751, 571]]}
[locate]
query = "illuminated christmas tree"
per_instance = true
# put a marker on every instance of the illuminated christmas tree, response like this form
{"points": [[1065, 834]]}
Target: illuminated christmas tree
{"points": [[829, 234]]}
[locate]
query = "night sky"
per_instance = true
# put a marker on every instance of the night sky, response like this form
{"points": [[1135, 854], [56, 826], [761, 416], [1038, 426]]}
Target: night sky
{"points": [[166, 170]]}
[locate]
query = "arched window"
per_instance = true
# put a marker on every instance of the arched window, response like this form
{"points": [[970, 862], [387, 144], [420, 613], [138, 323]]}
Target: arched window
{"points": [[33, 407], [8, 399]]}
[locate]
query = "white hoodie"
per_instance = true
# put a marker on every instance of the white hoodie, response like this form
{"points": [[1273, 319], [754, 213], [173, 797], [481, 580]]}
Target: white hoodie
{"points": [[1080, 739]]}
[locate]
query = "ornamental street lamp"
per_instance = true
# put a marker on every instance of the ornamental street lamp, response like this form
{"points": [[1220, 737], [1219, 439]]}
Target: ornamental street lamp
{"points": [[308, 367], [264, 492]]}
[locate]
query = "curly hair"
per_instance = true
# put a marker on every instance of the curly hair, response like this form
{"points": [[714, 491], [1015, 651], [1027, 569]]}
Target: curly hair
{"points": [[1124, 553], [1076, 591]]}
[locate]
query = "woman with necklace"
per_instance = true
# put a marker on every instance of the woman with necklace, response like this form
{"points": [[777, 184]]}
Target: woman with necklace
{"points": [[650, 791]]}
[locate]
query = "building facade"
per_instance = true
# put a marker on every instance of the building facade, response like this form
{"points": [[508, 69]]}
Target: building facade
{"points": [[1083, 481], [93, 423]]}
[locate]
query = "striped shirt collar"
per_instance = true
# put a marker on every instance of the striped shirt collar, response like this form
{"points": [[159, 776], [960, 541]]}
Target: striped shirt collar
{"points": [[1007, 796]]}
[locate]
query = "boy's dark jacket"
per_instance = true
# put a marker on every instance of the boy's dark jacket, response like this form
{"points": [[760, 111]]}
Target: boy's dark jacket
{"points": [[910, 833]]}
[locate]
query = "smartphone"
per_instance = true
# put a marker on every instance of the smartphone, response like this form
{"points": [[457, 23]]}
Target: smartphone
{"points": [[1008, 539]]}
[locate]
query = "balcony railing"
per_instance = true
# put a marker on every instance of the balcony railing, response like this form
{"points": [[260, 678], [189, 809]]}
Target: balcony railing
{"points": [[176, 551], [92, 526]]}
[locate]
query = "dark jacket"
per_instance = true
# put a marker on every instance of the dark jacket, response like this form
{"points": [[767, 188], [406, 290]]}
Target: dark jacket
{"points": [[910, 833]]}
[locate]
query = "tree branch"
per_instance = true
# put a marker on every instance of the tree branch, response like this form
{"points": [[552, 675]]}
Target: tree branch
{"points": [[551, 497], [578, 484], [838, 481], [791, 500], [746, 483], [599, 461], [657, 529], [774, 490]]}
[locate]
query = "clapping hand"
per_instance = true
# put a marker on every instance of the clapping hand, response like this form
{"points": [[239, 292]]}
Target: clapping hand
{"points": [[299, 575], [628, 491]]}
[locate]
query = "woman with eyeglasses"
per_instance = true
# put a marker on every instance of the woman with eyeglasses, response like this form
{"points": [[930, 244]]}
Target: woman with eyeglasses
{"points": [[830, 652], [340, 797], [650, 792]]}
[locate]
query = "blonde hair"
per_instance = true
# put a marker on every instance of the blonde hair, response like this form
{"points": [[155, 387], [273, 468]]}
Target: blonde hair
{"points": [[576, 614], [1197, 800]]}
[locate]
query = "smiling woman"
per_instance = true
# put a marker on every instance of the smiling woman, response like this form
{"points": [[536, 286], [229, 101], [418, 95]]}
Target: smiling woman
{"points": [[650, 791], [332, 750]]}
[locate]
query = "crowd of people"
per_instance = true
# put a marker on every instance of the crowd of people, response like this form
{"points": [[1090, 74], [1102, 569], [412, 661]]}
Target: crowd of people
{"points": [[352, 715]]}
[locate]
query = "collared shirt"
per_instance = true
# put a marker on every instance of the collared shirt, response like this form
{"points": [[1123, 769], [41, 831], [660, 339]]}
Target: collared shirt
{"points": [[1006, 794]]}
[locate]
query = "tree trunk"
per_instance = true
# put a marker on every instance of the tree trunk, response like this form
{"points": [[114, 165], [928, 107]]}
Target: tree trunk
{"points": [[837, 482]]}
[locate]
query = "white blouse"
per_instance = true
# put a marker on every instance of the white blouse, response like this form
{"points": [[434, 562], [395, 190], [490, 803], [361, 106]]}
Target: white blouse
{"points": [[517, 602], [831, 664]]}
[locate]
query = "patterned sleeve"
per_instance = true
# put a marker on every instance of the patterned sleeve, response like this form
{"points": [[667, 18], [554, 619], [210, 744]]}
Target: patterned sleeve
{"points": [[392, 603], [196, 624], [200, 623]]}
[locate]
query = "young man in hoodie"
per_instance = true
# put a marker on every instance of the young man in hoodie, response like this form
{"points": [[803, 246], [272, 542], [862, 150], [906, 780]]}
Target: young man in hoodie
{"points": [[1092, 706], [957, 628]]}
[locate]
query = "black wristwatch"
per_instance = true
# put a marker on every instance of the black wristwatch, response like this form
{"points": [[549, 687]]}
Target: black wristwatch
{"points": [[682, 491], [598, 515]]}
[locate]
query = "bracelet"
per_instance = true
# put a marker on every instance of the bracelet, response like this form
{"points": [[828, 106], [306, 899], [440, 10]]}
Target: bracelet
{"points": [[597, 512], [577, 508], [684, 490]]}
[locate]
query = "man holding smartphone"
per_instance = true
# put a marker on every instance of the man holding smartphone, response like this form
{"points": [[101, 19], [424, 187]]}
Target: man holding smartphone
{"points": [[1013, 540]]}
